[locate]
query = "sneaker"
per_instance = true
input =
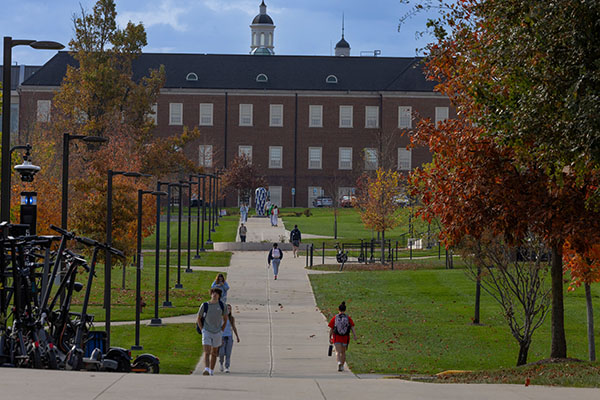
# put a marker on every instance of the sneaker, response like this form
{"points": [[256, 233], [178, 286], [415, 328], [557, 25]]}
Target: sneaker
{"points": [[211, 372], [341, 367], [206, 371], [221, 367], [275, 277], [226, 370]]}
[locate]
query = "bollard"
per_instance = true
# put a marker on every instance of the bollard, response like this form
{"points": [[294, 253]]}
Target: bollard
{"points": [[307, 256], [323, 253], [312, 248]]}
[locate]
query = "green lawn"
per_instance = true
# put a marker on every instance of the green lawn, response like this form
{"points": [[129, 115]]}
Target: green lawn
{"points": [[177, 346], [225, 232], [207, 259], [418, 322], [185, 301], [349, 225]]}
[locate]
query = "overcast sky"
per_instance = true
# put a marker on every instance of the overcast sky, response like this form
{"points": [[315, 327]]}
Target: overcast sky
{"points": [[303, 27]]}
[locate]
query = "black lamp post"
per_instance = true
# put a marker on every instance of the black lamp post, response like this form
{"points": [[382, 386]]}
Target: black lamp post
{"points": [[65, 170], [217, 210], [156, 321], [201, 215], [189, 241], [108, 263], [214, 203], [138, 267], [168, 303], [180, 185], [210, 208], [9, 43]]}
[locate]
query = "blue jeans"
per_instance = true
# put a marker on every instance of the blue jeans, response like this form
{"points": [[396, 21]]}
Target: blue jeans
{"points": [[276, 262], [225, 350]]}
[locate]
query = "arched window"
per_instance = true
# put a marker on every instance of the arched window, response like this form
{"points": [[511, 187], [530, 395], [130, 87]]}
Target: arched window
{"points": [[254, 38], [331, 79], [191, 77], [262, 78], [270, 38], [262, 38]]}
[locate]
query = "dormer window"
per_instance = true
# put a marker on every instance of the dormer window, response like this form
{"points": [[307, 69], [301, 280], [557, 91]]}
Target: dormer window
{"points": [[331, 79], [262, 78], [191, 77]]}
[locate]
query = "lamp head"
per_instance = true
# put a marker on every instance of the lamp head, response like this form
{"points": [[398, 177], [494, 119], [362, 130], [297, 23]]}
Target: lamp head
{"points": [[27, 170], [46, 45]]}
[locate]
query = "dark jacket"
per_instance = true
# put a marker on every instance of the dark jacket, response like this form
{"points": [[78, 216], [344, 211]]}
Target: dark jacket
{"points": [[295, 235], [271, 255]]}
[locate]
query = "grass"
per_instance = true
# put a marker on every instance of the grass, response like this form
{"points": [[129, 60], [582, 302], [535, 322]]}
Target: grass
{"points": [[414, 264], [349, 225], [207, 259], [177, 346], [419, 322], [185, 301]]}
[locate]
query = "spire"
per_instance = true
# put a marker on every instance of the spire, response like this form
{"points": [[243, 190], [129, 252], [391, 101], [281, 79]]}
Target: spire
{"points": [[263, 8], [342, 25], [342, 48], [262, 30]]}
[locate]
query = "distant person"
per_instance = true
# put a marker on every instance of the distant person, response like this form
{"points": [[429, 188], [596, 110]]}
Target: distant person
{"points": [[267, 210], [275, 255], [340, 327], [244, 212], [221, 284], [243, 230], [227, 345], [212, 319], [274, 214], [295, 239]]}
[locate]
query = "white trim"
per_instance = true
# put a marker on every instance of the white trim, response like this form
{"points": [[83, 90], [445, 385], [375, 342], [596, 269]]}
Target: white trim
{"points": [[346, 121], [371, 165], [403, 161], [344, 167], [172, 113], [205, 155], [208, 114], [314, 161], [319, 110], [275, 162], [367, 108], [272, 114], [249, 108], [247, 150], [403, 113]]}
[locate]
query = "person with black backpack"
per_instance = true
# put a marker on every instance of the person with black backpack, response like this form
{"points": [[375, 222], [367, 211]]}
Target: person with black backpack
{"points": [[340, 327], [295, 239], [275, 255], [211, 322]]}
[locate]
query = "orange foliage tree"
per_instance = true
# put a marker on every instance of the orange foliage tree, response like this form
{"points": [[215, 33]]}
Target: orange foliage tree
{"points": [[376, 199], [242, 177]]}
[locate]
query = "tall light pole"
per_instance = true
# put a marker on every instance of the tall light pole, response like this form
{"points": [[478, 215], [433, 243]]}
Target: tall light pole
{"points": [[108, 263], [9, 43], [189, 182], [200, 183], [65, 170], [181, 185]]}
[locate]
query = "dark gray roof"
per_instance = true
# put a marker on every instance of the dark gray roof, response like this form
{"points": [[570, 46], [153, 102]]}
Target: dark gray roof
{"points": [[16, 71], [342, 44], [230, 72], [262, 19]]}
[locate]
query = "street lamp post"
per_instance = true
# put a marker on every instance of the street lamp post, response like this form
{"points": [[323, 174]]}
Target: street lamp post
{"points": [[168, 303], [201, 177], [210, 208], [9, 43], [108, 256], [138, 276], [214, 203], [156, 321], [218, 211], [189, 241], [65, 170], [180, 185]]}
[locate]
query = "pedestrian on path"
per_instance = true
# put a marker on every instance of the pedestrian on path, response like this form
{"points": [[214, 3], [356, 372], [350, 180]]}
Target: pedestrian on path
{"points": [[227, 345], [275, 255], [295, 239], [274, 214], [222, 285], [244, 212], [340, 327], [212, 319], [243, 230]]}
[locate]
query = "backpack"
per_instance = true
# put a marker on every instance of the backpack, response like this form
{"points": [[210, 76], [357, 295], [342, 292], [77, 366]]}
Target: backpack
{"points": [[295, 234], [276, 253], [341, 325], [204, 311]]}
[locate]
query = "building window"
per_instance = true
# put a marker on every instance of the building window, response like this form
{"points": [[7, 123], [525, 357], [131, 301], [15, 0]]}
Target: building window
{"points": [[245, 114], [345, 161], [175, 113], [275, 195], [331, 79], [262, 38], [275, 157], [345, 116], [206, 155], [254, 38], [206, 114], [245, 151], [191, 77], [153, 115], [43, 110], [441, 114], [315, 116], [370, 159], [314, 157], [372, 117], [276, 115], [404, 159], [405, 117], [262, 78], [270, 38]]}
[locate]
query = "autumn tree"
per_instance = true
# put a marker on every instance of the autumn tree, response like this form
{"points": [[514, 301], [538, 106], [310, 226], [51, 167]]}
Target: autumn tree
{"points": [[376, 199], [242, 177]]}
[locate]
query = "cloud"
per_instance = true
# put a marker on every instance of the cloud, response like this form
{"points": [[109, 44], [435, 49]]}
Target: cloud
{"points": [[165, 14], [249, 7]]}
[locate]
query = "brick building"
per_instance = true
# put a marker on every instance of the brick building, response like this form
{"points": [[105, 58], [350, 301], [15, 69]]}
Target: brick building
{"points": [[311, 123]]}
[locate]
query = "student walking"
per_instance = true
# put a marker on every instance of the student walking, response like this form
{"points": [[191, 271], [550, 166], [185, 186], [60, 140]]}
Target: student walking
{"points": [[227, 345], [244, 212], [274, 214], [275, 255], [222, 285], [212, 319], [340, 327], [295, 239], [242, 231]]}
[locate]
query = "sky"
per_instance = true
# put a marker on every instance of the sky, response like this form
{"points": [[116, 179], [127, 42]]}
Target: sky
{"points": [[303, 27]]}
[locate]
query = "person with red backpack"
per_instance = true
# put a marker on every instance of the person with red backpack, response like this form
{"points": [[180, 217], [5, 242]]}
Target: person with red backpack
{"points": [[340, 327]]}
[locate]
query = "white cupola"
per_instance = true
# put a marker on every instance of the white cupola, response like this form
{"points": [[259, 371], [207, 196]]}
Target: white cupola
{"points": [[262, 30]]}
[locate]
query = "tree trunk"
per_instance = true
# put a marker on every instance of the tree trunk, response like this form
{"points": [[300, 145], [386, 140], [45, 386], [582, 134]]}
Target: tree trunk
{"points": [[477, 297], [559, 341], [590, 322], [523, 350], [383, 247]]}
